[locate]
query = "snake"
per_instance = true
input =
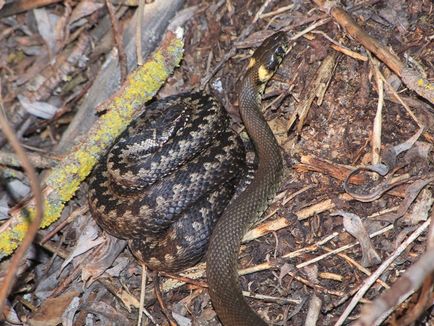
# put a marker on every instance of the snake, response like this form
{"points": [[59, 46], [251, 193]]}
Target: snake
{"points": [[225, 242], [168, 182], [167, 179]]}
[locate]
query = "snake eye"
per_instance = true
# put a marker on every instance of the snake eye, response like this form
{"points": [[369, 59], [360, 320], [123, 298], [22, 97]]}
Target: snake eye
{"points": [[273, 63], [281, 50], [275, 60], [276, 57]]}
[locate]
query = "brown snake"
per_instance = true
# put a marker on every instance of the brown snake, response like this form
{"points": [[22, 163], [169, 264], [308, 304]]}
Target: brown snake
{"points": [[135, 193]]}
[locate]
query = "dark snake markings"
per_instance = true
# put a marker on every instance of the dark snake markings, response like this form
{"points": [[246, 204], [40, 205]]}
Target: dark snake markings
{"points": [[172, 173]]}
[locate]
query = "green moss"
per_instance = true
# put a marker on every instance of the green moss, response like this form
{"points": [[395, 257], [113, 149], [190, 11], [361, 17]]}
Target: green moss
{"points": [[10, 239], [15, 58], [52, 209]]}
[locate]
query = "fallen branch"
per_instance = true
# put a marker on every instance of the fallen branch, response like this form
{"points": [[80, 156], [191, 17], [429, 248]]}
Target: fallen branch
{"points": [[64, 180]]}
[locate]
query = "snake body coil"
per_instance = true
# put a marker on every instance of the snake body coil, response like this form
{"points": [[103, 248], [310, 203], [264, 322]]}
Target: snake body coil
{"points": [[171, 174], [167, 179]]}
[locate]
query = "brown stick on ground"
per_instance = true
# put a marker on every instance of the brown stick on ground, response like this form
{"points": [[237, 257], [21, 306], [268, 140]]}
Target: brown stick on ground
{"points": [[337, 171], [159, 297], [117, 36], [410, 77]]}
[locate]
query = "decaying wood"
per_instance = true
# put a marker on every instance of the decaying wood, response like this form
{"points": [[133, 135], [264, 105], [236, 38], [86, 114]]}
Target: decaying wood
{"points": [[317, 90]]}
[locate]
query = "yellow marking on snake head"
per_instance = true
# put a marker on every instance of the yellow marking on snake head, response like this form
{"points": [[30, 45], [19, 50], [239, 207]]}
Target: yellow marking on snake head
{"points": [[252, 62], [264, 74]]}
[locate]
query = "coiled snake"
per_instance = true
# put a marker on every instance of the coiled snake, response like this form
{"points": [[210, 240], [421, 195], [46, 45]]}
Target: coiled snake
{"points": [[171, 174]]}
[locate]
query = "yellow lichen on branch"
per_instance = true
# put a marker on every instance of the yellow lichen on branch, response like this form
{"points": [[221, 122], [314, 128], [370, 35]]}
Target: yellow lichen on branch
{"points": [[64, 179]]}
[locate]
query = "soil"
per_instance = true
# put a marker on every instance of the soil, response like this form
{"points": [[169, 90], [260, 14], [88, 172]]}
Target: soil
{"points": [[319, 150]]}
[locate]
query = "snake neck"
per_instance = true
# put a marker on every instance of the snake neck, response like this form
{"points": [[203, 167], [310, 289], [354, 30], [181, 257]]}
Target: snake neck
{"points": [[266, 146]]}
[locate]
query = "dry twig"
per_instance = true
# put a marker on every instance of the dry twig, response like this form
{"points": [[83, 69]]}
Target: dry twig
{"points": [[159, 296], [139, 26], [198, 270], [317, 90], [31, 225], [142, 294], [117, 36], [378, 120], [233, 50], [407, 284]]}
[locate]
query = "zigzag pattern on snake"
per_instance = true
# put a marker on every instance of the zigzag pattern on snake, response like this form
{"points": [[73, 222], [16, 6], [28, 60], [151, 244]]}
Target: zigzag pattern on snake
{"points": [[167, 179]]}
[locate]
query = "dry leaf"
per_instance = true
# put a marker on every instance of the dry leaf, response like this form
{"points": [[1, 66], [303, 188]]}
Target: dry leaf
{"points": [[41, 110], [47, 29], [353, 225], [102, 258], [87, 240], [108, 314], [181, 320], [83, 9], [70, 311], [51, 311], [421, 208]]}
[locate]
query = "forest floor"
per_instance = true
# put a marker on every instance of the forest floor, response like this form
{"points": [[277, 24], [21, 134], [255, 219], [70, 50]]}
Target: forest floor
{"points": [[333, 106]]}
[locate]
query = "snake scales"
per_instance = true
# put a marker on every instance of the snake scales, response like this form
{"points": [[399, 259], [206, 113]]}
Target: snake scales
{"points": [[171, 174]]}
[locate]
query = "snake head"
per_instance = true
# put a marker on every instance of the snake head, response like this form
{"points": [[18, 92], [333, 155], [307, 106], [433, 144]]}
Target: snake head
{"points": [[269, 55]]}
